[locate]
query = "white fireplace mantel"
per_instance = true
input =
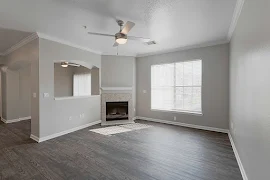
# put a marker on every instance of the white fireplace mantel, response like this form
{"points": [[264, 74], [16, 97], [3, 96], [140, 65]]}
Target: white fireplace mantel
{"points": [[116, 88]]}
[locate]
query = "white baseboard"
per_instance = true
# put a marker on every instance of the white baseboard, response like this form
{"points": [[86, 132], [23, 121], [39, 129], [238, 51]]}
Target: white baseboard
{"points": [[184, 124], [35, 138], [15, 120], [42, 139], [4, 120], [241, 167]]}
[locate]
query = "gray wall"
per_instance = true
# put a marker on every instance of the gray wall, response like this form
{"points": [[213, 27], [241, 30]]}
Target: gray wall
{"points": [[63, 81], [25, 91], [250, 87], [13, 95], [119, 71], [18, 90], [215, 86], [95, 81], [27, 55], [55, 114]]}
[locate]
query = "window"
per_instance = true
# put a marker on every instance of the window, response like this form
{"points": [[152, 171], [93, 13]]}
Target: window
{"points": [[177, 86], [82, 84]]}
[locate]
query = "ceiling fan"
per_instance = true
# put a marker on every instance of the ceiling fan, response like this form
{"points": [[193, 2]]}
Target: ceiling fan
{"points": [[121, 37], [66, 64]]}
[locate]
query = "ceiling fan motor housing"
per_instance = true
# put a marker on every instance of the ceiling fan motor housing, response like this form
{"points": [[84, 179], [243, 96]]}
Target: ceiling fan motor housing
{"points": [[120, 36]]}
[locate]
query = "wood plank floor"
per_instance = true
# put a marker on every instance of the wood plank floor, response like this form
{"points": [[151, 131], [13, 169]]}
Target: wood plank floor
{"points": [[160, 152]]}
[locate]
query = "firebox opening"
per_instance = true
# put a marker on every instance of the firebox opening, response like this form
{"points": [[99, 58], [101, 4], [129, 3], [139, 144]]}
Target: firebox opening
{"points": [[116, 111]]}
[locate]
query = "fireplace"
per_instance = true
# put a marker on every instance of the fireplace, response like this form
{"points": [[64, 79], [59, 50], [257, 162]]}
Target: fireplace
{"points": [[117, 111]]}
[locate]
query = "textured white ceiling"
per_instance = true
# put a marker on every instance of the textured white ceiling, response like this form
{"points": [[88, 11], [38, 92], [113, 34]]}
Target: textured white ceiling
{"points": [[172, 24], [8, 38]]}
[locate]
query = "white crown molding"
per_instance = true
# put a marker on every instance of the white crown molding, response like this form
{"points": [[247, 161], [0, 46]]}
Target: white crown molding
{"points": [[184, 124], [241, 167], [61, 41], [236, 14], [42, 139], [20, 44], [208, 44]]}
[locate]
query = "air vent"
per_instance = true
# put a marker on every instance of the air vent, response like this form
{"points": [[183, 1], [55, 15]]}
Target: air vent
{"points": [[149, 43]]}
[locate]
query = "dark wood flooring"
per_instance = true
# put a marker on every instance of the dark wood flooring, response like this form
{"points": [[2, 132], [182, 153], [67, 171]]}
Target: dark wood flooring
{"points": [[161, 152]]}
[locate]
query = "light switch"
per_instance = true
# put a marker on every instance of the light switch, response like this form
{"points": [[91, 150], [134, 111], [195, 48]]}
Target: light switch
{"points": [[46, 95], [144, 91], [34, 95]]}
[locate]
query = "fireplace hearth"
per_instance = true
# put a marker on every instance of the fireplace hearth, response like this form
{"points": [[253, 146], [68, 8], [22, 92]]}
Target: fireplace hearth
{"points": [[116, 111]]}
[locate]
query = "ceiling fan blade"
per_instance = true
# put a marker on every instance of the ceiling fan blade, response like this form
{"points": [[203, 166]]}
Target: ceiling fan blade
{"points": [[100, 34], [115, 44], [128, 26], [139, 38]]}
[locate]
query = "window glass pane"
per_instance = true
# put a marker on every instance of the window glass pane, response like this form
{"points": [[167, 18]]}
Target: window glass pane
{"points": [[197, 73], [179, 101], [188, 73], [177, 86], [187, 98], [179, 68], [162, 98], [162, 75]]}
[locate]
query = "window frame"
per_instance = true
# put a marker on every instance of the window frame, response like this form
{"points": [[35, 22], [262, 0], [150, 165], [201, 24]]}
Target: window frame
{"points": [[199, 113]]}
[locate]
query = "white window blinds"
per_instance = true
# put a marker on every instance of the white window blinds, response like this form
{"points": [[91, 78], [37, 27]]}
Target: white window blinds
{"points": [[177, 86], [82, 84]]}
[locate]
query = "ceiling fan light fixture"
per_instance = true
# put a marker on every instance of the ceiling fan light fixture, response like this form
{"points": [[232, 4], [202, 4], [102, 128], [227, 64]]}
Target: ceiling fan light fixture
{"points": [[121, 40], [64, 64]]}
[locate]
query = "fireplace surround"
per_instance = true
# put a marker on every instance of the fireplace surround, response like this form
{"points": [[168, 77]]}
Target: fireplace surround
{"points": [[118, 104]]}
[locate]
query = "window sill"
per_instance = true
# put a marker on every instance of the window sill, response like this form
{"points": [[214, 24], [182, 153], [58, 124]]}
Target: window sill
{"points": [[74, 97], [180, 112]]}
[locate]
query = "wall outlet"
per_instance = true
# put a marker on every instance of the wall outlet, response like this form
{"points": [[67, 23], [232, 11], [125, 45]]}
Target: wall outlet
{"points": [[144, 91], [174, 118], [34, 95], [70, 118]]}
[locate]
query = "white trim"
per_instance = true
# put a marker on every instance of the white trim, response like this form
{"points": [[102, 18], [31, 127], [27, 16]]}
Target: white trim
{"points": [[241, 167], [61, 41], [208, 44], [20, 44], [180, 112], [42, 139], [35, 138], [25, 118], [3, 120], [116, 88], [236, 14], [75, 97], [15, 120], [184, 124]]}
